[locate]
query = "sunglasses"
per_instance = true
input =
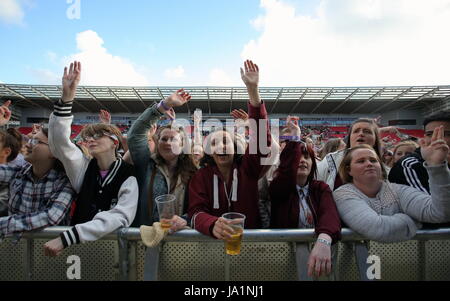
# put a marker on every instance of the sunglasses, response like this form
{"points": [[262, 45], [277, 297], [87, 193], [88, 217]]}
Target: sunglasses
{"points": [[35, 141], [99, 136]]}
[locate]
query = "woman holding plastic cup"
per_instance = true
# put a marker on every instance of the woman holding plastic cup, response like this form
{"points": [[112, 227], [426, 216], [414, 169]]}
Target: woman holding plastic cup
{"points": [[166, 170], [228, 182], [299, 201]]}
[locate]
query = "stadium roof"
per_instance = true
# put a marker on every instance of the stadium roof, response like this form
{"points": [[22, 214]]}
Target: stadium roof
{"points": [[220, 100]]}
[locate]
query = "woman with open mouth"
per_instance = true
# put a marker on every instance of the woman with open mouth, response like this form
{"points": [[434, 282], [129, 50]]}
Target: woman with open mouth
{"points": [[228, 182], [361, 131]]}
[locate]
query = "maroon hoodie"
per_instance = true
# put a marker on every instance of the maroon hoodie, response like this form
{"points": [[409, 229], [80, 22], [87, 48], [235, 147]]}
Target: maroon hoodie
{"points": [[285, 200], [245, 175]]}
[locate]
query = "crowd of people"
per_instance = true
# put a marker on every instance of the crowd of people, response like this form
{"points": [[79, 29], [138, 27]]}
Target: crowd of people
{"points": [[101, 182]]}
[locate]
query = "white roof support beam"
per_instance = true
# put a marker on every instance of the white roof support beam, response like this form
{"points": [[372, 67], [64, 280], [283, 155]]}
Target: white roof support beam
{"points": [[369, 100], [276, 100], [23, 97], [421, 97], [394, 100], [118, 100], [94, 98], [139, 97], [345, 100], [322, 101], [298, 101]]}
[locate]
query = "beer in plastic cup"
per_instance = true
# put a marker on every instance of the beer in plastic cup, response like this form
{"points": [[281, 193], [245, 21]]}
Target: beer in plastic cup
{"points": [[166, 209], [233, 244]]}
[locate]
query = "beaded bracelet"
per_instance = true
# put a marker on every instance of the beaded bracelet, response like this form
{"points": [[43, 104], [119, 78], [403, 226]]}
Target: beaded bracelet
{"points": [[324, 241]]}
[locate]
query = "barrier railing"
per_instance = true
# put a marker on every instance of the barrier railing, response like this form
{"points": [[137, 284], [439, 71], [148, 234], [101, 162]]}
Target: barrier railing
{"points": [[300, 239]]}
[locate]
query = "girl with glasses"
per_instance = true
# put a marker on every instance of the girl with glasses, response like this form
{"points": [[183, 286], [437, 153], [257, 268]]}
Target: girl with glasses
{"points": [[106, 185]]}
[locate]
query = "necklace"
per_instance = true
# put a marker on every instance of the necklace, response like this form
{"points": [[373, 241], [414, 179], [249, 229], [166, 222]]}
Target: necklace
{"points": [[226, 193]]}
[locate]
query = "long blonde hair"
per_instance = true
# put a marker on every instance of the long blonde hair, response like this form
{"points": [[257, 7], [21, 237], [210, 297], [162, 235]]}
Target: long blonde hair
{"points": [[186, 167]]}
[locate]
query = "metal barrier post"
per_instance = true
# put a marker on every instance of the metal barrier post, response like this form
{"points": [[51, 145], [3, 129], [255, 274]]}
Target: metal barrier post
{"points": [[132, 272], [302, 253], [29, 259], [423, 271], [123, 254], [361, 255], [151, 263], [227, 267]]}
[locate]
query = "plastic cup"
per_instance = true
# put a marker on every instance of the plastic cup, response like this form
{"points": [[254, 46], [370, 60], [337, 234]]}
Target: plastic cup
{"points": [[233, 244], [166, 209]]}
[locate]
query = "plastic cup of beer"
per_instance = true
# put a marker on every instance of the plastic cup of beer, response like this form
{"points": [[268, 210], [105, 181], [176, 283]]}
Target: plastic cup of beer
{"points": [[166, 209], [233, 244]]}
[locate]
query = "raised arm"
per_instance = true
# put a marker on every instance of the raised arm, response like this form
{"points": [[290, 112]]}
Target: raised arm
{"points": [[59, 129], [256, 112], [419, 205], [137, 136], [285, 178]]}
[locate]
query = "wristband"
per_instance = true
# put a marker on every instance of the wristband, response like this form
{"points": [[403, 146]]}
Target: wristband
{"points": [[161, 104], [290, 138], [324, 241]]}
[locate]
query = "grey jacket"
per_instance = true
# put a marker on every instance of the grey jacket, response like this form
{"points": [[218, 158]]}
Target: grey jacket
{"points": [[391, 216], [145, 164]]}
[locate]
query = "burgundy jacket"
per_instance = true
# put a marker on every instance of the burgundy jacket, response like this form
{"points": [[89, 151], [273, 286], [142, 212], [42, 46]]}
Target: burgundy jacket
{"points": [[201, 188], [285, 201]]}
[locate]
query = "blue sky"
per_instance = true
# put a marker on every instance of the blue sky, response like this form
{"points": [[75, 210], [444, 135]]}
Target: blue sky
{"points": [[203, 42]]}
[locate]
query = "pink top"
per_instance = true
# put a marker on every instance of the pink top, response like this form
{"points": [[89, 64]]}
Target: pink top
{"points": [[103, 173]]}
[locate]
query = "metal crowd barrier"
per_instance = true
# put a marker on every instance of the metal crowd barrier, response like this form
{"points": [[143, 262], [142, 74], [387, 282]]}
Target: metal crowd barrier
{"points": [[265, 255]]}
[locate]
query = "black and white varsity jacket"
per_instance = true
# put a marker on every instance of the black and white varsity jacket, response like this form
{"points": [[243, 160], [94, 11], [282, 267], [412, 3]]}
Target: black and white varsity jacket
{"points": [[102, 206]]}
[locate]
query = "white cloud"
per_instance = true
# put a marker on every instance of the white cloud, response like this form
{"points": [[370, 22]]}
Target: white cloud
{"points": [[11, 11], [218, 77], [174, 73], [101, 67], [353, 43], [45, 76]]}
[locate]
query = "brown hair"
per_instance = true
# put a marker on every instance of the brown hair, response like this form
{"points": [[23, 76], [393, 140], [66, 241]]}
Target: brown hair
{"points": [[405, 143], [12, 139], [374, 126], [185, 166], [331, 146], [344, 168], [100, 128], [208, 160], [58, 166]]}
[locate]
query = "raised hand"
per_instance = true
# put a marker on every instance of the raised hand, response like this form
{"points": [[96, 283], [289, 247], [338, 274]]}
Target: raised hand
{"points": [[70, 81], [293, 128], [5, 113], [251, 75], [105, 117], [389, 130], [435, 152], [177, 99], [239, 114], [152, 131], [171, 114]]}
